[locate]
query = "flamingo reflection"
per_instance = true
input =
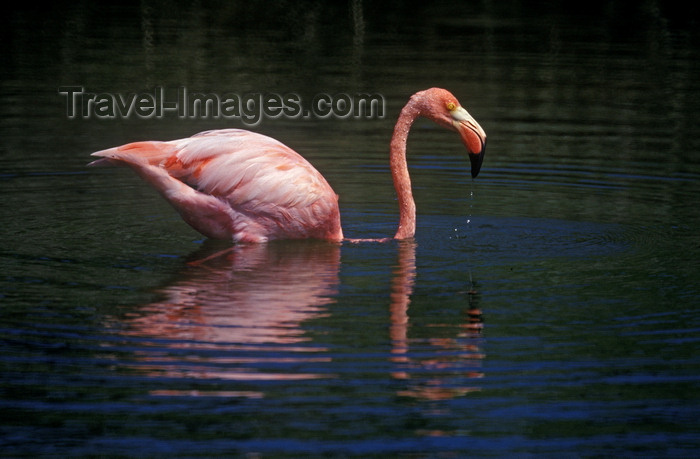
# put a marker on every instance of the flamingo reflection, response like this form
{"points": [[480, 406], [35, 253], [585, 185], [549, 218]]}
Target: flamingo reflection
{"points": [[239, 314], [241, 310], [452, 361]]}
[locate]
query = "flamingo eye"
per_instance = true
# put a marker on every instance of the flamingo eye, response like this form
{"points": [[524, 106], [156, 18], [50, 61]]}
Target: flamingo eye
{"points": [[451, 106]]}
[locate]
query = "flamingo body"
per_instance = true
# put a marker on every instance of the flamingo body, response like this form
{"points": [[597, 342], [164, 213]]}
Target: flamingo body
{"points": [[247, 187], [236, 184]]}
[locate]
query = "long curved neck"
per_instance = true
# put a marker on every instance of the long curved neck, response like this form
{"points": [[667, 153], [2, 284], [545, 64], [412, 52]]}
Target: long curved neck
{"points": [[399, 171]]}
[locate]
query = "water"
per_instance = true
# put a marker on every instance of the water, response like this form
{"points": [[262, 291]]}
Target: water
{"points": [[548, 307]]}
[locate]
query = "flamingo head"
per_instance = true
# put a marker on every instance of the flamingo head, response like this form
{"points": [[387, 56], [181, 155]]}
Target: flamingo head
{"points": [[444, 108]]}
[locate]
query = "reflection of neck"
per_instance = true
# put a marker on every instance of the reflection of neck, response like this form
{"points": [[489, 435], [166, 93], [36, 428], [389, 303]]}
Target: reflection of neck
{"points": [[399, 171], [401, 290]]}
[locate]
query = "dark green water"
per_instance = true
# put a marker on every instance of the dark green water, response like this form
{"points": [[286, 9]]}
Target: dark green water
{"points": [[549, 307]]}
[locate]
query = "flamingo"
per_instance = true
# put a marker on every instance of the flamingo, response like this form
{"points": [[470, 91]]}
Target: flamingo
{"points": [[249, 188]]}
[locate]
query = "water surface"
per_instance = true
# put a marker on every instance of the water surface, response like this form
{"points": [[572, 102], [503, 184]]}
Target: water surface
{"points": [[547, 307]]}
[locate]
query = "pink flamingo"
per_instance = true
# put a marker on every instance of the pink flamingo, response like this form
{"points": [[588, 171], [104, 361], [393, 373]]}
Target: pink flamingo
{"points": [[246, 187]]}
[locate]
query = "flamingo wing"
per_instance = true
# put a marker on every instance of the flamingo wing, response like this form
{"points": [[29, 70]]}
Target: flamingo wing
{"points": [[236, 184]]}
